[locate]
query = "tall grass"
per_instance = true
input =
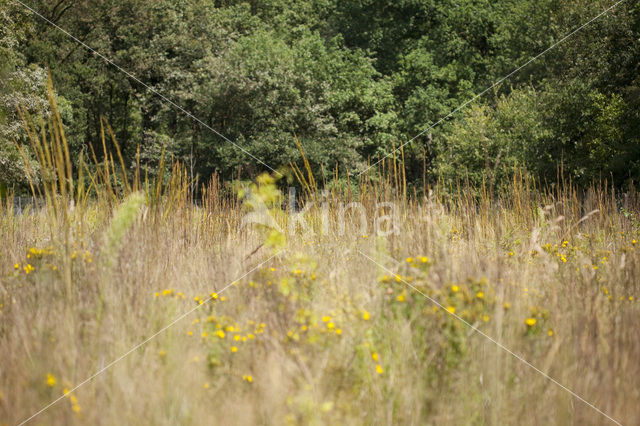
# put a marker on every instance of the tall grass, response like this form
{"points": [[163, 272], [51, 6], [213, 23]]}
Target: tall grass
{"points": [[319, 333]]}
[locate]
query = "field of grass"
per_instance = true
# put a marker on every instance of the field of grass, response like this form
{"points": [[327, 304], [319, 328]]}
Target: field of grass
{"points": [[212, 322]]}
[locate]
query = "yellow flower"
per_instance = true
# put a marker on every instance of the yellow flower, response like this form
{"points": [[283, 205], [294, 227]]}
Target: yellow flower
{"points": [[530, 322], [485, 318], [409, 259], [366, 316], [400, 298], [214, 295], [220, 334], [326, 319], [338, 331], [162, 352], [206, 385], [330, 325], [16, 266], [247, 378], [236, 337], [455, 288], [379, 369], [550, 333], [480, 295], [234, 349], [51, 380], [204, 334], [374, 356], [190, 333], [75, 408], [451, 310], [630, 298], [424, 259]]}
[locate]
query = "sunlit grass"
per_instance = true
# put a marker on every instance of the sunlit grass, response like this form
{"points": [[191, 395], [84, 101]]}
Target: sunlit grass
{"points": [[318, 333]]}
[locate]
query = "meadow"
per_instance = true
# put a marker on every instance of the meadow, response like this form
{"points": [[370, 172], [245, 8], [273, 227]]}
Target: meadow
{"points": [[179, 314]]}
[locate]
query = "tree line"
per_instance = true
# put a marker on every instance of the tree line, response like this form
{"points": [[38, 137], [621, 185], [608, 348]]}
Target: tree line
{"points": [[351, 79]]}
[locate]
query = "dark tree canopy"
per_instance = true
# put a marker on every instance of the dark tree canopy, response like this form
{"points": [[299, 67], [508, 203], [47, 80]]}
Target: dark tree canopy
{"points": [[350, 78]]}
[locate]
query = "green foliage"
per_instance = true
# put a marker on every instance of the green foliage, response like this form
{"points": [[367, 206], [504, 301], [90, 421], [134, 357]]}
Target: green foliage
{"points": [[349, 78], [22, 85]]}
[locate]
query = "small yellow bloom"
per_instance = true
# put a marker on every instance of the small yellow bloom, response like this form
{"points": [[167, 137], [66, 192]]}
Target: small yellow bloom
{"points": [[206, 385], [374, 356], [338, 331], [451, 310], [16, 266], [485, 318], [366, 316], [455, 288], [379, 369], [51, 380], [236, 337], [204, 334], [190, 333], [75, 408], [247, 378], [530, 322], [630, 298], [400, 298], [220, 334], [326, 319], [480, 295], [234, 349], [330, 325], [424, 259], [550, 333], [409, 259]]}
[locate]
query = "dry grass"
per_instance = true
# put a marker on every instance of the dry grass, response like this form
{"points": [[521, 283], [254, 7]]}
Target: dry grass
{"points": [[323, 335]]}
